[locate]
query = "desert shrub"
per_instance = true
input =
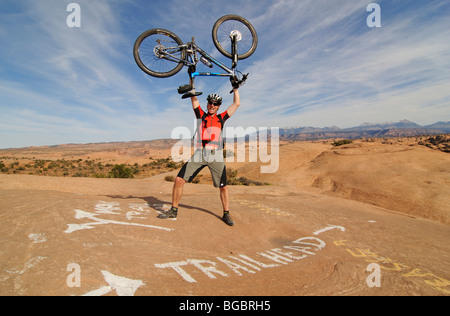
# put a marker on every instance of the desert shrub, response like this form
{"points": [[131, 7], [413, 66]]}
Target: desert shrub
{"points": [[99, 175], [169, 178], [246, 181], [231, 173], [135, 169], [121, 171], [172, 165], [233, 179], [342, 142], [39, 163], [228, 153], [52, 165]]}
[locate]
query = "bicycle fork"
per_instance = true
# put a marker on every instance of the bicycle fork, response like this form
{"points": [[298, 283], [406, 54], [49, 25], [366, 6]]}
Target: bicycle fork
{"points": [[234, 54], [230, 72]]}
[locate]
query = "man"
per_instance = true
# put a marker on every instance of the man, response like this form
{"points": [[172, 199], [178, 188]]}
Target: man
{"points": [[208, 153]]}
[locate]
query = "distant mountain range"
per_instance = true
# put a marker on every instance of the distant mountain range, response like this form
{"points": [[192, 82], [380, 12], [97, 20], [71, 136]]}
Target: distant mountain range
{"points": [[403, 128]]}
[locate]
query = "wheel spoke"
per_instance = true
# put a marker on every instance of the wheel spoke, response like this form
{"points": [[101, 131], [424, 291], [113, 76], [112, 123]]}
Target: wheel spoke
{"points": [[234, 25], [158, 53]]}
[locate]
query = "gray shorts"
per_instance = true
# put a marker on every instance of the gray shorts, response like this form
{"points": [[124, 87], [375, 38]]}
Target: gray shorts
{"points": [[213, 159]]}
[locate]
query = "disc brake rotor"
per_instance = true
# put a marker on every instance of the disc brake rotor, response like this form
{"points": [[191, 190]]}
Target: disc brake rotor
{"points": [[237, 34], [159, 51]]}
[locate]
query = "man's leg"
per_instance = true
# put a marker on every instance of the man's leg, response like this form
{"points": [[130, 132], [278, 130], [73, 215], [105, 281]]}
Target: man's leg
{"points": [[225, 199], [177, 191], [226, 207], [188, 172], [219, 175]]}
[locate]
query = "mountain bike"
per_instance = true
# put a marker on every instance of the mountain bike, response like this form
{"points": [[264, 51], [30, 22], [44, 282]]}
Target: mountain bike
{"points": [[161, 53]]}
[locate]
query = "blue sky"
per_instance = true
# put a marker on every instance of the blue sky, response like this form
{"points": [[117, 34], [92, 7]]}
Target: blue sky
{"points": [[317, 64]]}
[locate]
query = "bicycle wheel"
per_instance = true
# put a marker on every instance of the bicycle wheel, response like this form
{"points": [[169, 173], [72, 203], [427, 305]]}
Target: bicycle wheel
{"points": [[158, 53], [246, 35]]}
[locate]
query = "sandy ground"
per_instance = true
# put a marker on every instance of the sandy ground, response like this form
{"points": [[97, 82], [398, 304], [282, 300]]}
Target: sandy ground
{"points": [[361, 219]]}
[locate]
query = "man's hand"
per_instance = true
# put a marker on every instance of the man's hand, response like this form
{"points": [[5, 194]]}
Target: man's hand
{"points": [[234, 82]]}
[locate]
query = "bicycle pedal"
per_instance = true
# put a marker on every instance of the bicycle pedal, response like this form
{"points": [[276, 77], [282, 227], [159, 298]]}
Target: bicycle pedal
{"points": [[183, 89], [191, 94]]}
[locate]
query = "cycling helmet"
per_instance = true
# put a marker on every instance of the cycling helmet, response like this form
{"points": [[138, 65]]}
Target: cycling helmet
{"points": [[215, 98]]}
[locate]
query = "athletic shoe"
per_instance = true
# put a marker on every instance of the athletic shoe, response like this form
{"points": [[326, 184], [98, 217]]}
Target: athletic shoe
{"points": [[227, 219], [169, 214]]}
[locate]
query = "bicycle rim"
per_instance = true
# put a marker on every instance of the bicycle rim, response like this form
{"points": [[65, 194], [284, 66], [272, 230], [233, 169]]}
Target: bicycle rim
{"points": [[157, 53], [234, 24]]}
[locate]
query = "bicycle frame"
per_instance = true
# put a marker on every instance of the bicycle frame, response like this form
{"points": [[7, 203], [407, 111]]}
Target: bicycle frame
{"points": [[229, 72], [191, 60]]}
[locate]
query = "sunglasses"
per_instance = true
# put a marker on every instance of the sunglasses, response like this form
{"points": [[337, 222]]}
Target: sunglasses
{"points": [[215, 103]]}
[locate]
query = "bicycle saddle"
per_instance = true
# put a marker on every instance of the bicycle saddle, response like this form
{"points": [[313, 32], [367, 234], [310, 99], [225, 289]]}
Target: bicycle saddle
{"points": [[184, 89]]}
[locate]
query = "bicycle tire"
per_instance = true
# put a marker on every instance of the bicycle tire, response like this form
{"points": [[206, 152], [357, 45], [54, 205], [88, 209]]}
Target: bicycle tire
{"points": [[221, 36], [146, 48]]}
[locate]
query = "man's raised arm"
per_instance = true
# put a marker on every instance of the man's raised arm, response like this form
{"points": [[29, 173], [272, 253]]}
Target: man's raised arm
{"points": [[194, 100], [236, 102]]}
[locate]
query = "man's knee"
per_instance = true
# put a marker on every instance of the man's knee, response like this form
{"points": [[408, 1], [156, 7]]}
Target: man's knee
{"points": [[224, 189], [179, 181]]}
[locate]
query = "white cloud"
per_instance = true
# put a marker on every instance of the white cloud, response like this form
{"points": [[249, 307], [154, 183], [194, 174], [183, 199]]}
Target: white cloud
{"points": [[317, 63], [332, 72]]}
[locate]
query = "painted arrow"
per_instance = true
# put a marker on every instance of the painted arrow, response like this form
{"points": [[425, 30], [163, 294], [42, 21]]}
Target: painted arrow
{"points": [[122, 286], [330, 227], [79, 214]]}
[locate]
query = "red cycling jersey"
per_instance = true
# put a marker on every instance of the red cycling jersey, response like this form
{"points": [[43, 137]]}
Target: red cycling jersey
{"points": [[211, 128]]}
